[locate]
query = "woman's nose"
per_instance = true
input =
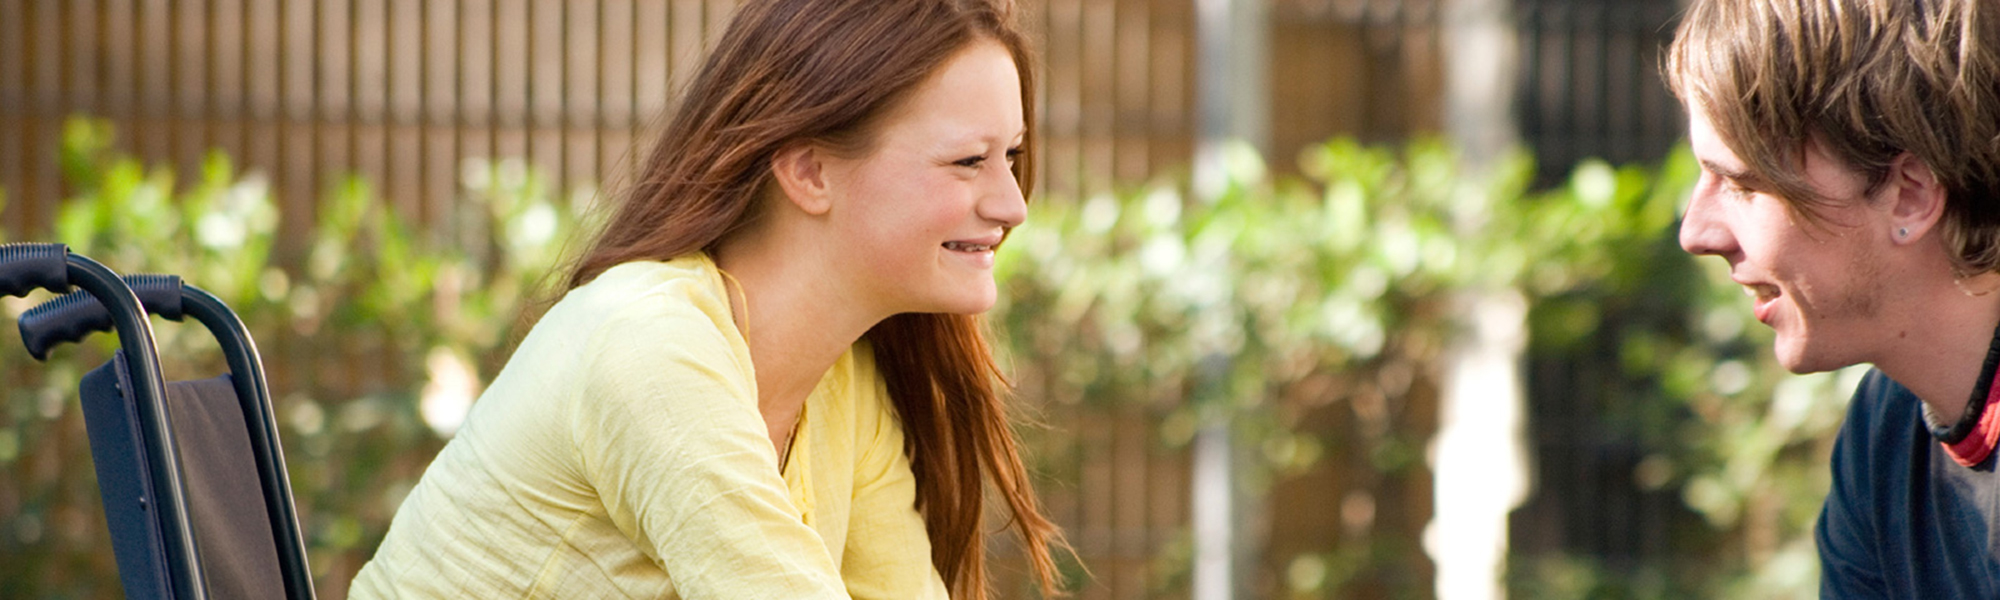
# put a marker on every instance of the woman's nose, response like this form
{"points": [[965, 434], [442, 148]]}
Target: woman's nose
{"points": [[1004, 203]]}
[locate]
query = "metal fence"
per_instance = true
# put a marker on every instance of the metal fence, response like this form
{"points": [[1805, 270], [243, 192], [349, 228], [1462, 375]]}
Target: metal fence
{"points": [[1590, 81], [1590, 87]]}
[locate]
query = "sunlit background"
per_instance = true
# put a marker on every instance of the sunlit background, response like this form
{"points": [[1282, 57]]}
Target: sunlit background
{"points": [[1317, 298]]}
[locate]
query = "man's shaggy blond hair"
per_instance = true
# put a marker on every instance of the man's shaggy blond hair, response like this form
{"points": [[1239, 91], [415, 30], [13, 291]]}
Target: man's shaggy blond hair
{"points": [[1864, 80]]}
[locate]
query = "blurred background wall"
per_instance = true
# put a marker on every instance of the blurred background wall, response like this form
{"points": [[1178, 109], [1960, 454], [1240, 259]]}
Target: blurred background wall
{"points": [[416, 97]]}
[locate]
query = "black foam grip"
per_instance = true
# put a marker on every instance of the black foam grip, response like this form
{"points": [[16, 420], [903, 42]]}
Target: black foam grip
{"points": [[161, 294], [71, 317], [28, 267]]}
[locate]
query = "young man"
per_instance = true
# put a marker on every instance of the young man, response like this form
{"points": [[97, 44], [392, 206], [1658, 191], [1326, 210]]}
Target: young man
{"points": [[1850, 154]]}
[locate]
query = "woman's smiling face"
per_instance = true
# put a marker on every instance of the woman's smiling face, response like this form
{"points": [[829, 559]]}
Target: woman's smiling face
{"points": [[926, 205]]}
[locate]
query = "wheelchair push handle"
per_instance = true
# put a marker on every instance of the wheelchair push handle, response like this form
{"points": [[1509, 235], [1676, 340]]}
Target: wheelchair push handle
{"points": [[71, 317], [25, 268]]}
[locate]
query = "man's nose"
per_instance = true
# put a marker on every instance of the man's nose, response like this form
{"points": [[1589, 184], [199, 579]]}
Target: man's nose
{"points": [[1702, 231]]}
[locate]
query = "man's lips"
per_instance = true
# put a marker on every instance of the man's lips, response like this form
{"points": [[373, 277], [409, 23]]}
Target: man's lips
{"points": [[1764, 296]]}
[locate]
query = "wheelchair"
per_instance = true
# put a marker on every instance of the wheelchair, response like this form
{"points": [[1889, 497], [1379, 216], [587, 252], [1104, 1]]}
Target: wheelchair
{"points": [[193, 480]]}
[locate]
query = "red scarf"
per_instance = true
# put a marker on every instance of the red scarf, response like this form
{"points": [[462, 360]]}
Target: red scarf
{"points": [[1977, 429], [1979, 443]]}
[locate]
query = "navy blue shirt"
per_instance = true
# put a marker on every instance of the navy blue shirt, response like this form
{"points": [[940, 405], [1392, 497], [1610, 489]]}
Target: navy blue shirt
{"points": [[1903, 520]]}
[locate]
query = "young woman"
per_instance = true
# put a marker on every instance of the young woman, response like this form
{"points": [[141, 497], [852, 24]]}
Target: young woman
{"points": [[766, 379]]}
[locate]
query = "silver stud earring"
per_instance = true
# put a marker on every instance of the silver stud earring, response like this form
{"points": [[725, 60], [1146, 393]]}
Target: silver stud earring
{"points": [[1902, 232]]}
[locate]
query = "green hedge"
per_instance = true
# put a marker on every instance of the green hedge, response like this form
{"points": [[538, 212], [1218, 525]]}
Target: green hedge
{"points": [[1277, 302]]}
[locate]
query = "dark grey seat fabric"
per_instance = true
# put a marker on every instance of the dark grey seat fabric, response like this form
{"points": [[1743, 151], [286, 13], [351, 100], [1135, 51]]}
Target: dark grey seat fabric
{"points": [[225, 500]]}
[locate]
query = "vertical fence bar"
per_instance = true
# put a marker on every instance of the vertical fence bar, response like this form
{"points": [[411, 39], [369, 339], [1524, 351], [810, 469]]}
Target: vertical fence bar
{"points": [[1134, 24], [436, 117], [715, 17], [119, 36], [82, 56], [403, 49], [616, 47], [291, 174], [353, 121], [208, 100], [490, 92], [1135, 426], [1589, 84], [374, 111], [471, 83], [153, 53], [556, 107], [14, 118], [1063, 110], [263, 89], [246, 122], [226, 89], [1621, 82], [330, 60], [185, 87], [473, 94], [583, 43], [1098, 93], [528, 110], [688, 21], [402, 142], [42, 191], [509, 48], [405, 62], [198, 78], [420, 189]]}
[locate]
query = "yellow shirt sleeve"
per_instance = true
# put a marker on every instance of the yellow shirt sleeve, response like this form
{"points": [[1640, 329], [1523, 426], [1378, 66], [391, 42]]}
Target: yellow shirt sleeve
{"points": [[667, 432]]}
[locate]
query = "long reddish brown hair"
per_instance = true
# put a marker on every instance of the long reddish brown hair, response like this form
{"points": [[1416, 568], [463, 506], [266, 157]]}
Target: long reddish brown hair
{"points": [[787, 71]]}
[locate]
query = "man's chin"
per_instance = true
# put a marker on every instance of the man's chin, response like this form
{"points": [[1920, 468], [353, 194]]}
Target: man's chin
{"points": [[1800, 360]]}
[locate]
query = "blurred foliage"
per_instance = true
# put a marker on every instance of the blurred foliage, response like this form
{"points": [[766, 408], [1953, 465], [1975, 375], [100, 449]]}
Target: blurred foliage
{"points": [[371, 339], [1312, 314]]}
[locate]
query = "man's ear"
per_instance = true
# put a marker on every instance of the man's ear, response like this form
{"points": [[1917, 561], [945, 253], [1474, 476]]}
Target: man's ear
{"points": [[801, 174], [1917, 198]]}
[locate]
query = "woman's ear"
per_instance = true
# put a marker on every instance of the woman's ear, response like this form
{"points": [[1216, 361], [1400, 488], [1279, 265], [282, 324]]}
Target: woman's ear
{"points": [[1917, 198], [800, 170]]}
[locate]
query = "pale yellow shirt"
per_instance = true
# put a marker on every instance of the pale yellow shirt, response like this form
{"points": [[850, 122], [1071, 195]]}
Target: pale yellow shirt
{"points": [[620, 453]]}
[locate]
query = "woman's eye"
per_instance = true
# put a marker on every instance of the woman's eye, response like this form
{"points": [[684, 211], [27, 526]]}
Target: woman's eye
{"points": [[970, 161], [1012, 155]]}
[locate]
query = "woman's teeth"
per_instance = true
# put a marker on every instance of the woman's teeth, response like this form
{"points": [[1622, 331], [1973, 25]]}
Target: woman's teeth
{"points": [[966, 247]]}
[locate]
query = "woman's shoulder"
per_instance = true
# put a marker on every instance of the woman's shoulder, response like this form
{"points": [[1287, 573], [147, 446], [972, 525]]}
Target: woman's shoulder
{"points": [[678, 306], [694, 277], [683, 289]]}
